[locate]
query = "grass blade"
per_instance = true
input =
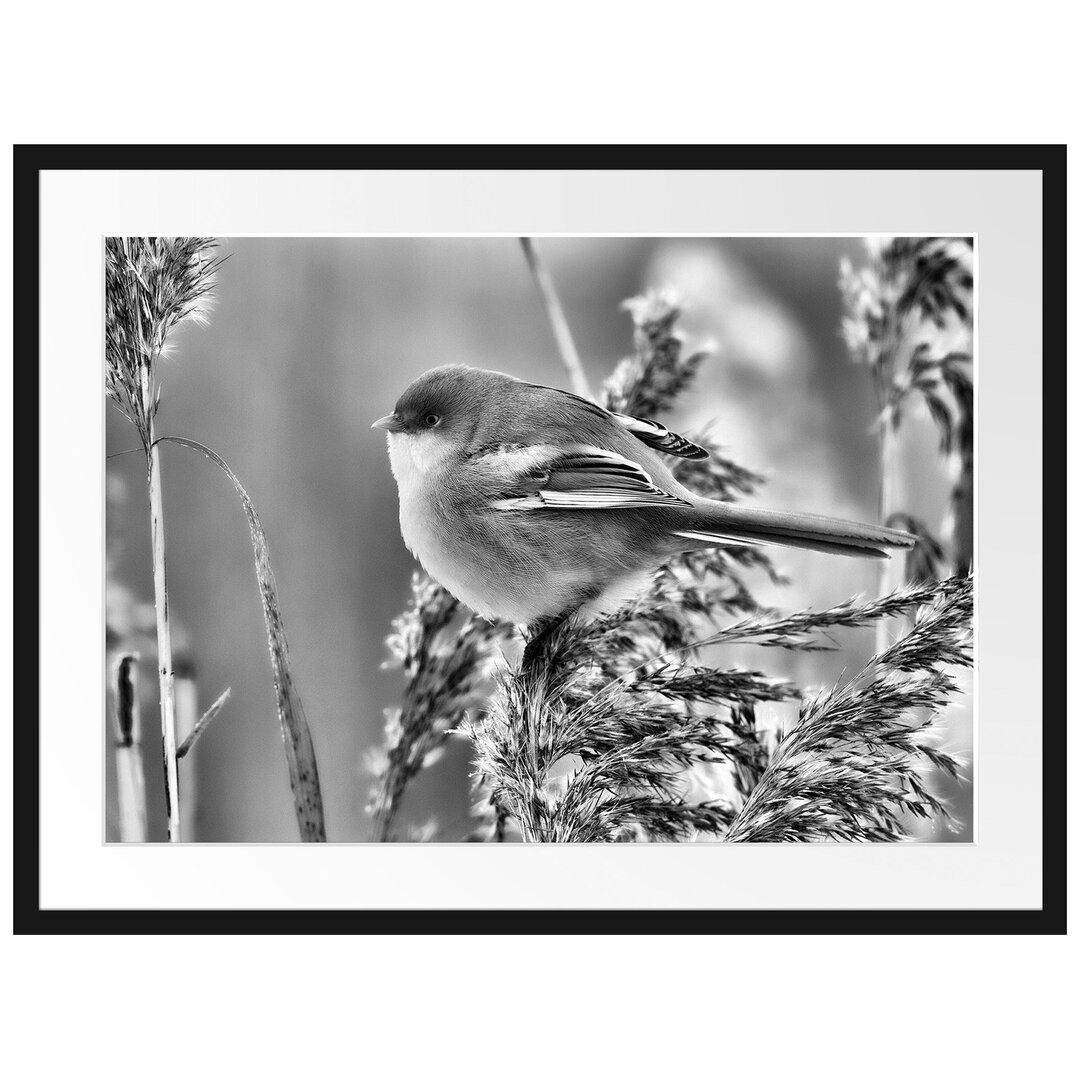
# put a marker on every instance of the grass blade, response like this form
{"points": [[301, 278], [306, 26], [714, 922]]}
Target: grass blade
{"points": [[295, 733], [201, 724]]}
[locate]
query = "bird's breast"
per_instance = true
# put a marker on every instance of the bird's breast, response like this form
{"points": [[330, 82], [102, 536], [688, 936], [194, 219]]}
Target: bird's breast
{"points": [[417, 492], [432, 526]]}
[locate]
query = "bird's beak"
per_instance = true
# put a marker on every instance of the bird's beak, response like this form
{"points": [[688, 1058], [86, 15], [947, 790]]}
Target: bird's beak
{"points": [[388, 423]]}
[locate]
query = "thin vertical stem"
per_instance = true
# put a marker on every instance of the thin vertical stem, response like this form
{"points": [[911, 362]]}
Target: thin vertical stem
{"points": [[386, 805], [161, 605], [130, 783], [559, 326], [890, 571], [960, 519]]}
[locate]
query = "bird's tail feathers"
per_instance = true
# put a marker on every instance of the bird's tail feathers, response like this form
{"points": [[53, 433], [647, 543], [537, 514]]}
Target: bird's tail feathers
{"points": [[723, 524]]}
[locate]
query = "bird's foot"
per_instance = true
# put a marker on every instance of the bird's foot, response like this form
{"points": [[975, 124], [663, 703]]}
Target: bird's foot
{"points": [[537, 637]]}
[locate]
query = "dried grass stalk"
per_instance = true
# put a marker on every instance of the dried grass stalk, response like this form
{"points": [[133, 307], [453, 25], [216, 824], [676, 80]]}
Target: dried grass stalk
{"points": [[853, 767], [649, 383], [447, 657], [152, 285], [559, 326], [164, 638], [574, 756]]}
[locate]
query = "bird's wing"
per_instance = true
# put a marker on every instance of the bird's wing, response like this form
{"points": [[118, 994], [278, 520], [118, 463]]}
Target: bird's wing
{"points": [[577, 477], [661, 438], [648, 431]]}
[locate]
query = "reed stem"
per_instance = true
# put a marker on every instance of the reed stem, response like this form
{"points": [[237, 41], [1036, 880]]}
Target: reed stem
{"points": [[559, 326], [161, 606], [890, 571]]}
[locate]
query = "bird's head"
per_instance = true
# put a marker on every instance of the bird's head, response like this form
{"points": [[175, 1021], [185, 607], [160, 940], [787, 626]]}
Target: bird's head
{"points": [[437, 416], [444, 402]]}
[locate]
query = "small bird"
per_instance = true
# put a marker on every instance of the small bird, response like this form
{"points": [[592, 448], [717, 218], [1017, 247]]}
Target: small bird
{"points": [[528, 503]]}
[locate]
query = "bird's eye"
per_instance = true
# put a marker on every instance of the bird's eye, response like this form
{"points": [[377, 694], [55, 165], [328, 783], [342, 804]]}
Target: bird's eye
{"points": [[431, 420]]}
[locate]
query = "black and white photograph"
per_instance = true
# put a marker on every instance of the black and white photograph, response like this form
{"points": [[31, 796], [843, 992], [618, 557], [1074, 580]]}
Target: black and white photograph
{"points": [[539, 531], [539, 540], [450, 539], [434, 545]]}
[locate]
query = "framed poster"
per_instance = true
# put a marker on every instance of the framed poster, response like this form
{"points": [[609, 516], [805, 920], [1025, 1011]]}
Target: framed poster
{"points": [[617, 603]]}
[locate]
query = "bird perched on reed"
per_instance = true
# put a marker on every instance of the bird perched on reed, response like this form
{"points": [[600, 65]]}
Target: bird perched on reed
{"points": [[528, 503]]}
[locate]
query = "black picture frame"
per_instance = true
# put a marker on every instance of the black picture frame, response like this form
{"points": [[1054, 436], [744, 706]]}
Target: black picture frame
{"points": [[28, 915]]}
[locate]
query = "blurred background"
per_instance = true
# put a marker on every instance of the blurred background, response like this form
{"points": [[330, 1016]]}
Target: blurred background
{"points": [[310, 340]]}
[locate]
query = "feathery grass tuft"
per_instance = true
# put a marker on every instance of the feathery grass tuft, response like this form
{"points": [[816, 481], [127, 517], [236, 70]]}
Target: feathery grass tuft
{"points": [[649, 382], [853, 766], [573, 756], [928, 560], [152, 285], [797, 631], [913, 288], [909, 319], [447, 657]]}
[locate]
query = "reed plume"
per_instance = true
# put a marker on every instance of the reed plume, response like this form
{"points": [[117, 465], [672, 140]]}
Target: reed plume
{"points": [[854, 765], [447, 658], [153, 285], [909, 320]]}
